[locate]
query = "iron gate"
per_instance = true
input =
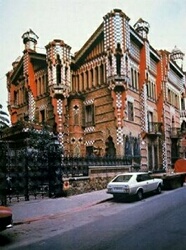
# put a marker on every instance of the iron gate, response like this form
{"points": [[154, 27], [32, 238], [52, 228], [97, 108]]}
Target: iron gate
{"points": [[29, 173]]}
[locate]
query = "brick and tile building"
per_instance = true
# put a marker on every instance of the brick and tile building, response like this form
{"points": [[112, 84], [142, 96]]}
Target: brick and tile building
{"points": [[116, 96]]}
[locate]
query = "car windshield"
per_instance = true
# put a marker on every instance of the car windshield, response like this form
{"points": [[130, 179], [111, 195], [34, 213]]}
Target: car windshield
{"points": [[122, 178]]}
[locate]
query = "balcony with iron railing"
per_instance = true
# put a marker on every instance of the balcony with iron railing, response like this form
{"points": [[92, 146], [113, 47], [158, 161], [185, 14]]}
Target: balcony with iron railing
{"points": [[175, 133], [183, 113], [155, 128]]}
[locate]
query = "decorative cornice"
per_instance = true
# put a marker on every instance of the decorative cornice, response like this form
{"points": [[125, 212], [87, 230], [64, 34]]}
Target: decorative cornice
{"points": [[90, 41]]}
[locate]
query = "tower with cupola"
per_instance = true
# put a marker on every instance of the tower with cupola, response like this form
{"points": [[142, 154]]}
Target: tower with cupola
{"points": [[59, 82], [30, 40], [116, 45]]}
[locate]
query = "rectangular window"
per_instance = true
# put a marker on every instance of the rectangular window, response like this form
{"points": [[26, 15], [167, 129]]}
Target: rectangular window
{"points": [[42, 116], [89, 115], [89, 150], [151, 90], [173, 98], [150, 121], [134, 79], [58, 74], [130, 111], [76, 115], [150, 157], [176, 101], [15, 98], [182, 103], [169, 96]]}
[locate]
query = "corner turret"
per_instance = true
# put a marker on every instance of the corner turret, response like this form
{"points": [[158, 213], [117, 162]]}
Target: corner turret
{"points": [[30, 40], [142, 28], [177, 55]]}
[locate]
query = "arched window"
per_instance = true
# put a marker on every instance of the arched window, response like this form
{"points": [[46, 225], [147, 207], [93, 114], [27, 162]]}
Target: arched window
{"points": [[58, 74], [118, 59], [128, 146], [101, 74], [58, 70], [110, 148], [76, 115]]}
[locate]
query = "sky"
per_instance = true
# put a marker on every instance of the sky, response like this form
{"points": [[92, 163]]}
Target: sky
{"points": [[74, 21]]}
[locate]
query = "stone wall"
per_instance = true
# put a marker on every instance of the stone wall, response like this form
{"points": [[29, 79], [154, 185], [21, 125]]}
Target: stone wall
{"points": [[98, 179]]}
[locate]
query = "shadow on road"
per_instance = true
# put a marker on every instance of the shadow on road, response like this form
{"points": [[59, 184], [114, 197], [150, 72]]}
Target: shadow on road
{"points": [[131, 199], [6, 239]]}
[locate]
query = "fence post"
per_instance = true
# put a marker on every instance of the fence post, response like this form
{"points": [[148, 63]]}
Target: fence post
{"points": [[26, 177]]}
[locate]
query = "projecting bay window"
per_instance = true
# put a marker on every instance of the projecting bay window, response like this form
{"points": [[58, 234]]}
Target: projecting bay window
{"points": [[89, 115]]}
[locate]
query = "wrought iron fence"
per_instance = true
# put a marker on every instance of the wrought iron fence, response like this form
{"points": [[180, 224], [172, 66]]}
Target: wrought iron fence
{"points": [[79, 166], [32, 173], [155, 127], [29, 172]]}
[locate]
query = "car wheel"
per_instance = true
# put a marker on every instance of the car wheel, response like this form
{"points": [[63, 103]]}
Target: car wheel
{"points": [[139, 195], [158, 190]]}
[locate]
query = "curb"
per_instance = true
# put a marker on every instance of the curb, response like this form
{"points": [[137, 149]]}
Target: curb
{"points": [[57, 215]]}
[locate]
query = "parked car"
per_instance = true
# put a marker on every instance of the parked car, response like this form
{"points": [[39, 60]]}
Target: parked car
{"points": [[133, 184], [5, 218]]}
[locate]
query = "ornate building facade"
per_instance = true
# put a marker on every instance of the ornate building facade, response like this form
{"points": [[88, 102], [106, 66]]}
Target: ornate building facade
{"points": [[116, 96]]}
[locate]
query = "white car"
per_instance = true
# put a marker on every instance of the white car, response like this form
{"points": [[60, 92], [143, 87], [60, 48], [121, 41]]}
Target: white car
{"points": [[128, 184]]}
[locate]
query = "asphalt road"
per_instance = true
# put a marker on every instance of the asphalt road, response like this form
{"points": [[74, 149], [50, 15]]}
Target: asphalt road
{"points": [[156, 223]]}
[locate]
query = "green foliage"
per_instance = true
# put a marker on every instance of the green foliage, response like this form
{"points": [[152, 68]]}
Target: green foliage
{"points": [[39, 139]]}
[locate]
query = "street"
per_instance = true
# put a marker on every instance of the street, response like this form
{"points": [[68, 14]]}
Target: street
{"points": [[157, 222]]}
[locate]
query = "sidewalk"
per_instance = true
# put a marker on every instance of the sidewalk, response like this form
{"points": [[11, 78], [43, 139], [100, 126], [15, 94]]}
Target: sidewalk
{"points": [[28, 211]]}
